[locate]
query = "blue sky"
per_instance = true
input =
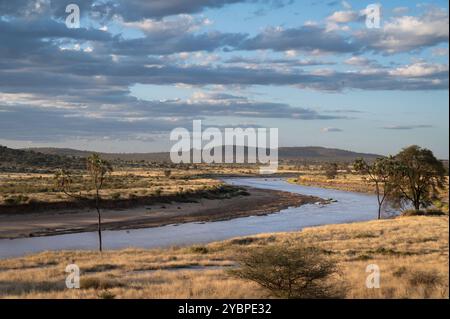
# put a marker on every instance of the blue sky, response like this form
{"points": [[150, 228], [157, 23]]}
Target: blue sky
{"points": [[137, 69]]}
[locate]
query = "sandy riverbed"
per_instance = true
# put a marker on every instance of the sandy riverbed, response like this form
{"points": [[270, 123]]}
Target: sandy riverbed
{"points": [[259, 202]]}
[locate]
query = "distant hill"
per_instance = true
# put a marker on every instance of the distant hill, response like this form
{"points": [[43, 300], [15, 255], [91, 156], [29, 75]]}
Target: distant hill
{"points": [[300, 154], [151, 157], [48, 159], [322, 154], [27, 160]]}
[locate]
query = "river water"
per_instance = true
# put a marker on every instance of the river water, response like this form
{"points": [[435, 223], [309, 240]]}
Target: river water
{"points": [[349, 207]]}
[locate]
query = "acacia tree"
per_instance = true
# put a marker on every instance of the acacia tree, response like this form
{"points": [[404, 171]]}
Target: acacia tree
{"points": [[97, 169], [331, 170], [290, 271], [418, 177], [380, 173]]}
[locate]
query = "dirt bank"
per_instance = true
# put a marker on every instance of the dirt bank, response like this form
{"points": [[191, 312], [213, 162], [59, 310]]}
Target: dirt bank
{"points": [[54, 222]]}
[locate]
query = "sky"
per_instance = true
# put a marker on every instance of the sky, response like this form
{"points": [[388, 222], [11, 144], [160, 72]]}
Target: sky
{"points": [[134, 70]]}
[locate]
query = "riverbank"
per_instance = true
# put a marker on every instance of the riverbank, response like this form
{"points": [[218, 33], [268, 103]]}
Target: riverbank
{"points": [[411, 252], [344, 182], [251, 202], [356, 183]]}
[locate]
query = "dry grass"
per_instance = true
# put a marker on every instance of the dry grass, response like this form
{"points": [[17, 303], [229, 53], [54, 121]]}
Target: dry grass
{"points": [[125, 182], [22, 188], [412, 253], [346, 182]]}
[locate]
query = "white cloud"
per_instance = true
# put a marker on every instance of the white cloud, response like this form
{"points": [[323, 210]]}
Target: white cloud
{"points": [[407, 33], [419, 69], [343, 16], [357, 60], [291, 53], [173, 25], [331, 129]]}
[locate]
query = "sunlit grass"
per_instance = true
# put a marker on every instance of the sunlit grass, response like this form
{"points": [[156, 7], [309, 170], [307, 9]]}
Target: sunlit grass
{"points": [[412, 253]]}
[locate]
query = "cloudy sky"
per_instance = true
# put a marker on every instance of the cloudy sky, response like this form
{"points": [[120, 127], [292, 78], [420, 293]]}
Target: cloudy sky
{"points": [[136, 69]]}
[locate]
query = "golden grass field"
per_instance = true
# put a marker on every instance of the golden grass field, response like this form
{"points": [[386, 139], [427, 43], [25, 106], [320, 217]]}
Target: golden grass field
{"points": [[347, 182], [120, 185], [123, 183], [412, 253]]}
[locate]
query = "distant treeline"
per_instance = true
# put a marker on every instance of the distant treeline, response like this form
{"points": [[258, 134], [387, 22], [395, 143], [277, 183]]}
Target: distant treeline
{"points": [[12, 160]]}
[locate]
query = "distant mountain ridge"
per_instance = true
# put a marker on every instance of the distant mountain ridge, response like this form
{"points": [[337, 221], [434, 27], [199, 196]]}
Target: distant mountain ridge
{"points": [[322, 153], [308, 154]]}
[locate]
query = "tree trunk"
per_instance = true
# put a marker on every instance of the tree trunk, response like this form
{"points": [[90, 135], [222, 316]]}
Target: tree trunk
{"points": [[380, 201], [97, 206], [417, 205], [99, 230]]}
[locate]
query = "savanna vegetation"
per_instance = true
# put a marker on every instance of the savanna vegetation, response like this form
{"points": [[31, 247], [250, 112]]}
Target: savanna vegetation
{"points": [[411, 252], [323, 262], [412, 178]]}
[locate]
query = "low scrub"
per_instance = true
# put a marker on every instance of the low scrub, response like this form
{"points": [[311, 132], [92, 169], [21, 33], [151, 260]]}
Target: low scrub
{"points": [[291, 272], [423, 212], [98, 283], [16, 199]]}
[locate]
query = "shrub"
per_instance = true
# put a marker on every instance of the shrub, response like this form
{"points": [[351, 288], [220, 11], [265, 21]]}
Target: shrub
{"points": [[425, 278], [199, 249], [16, 200], [98, 283], [400, 272], [421, 212], [132, 196], [115, 196], [243, 241], [428, 281], [167, 173], [106, 294], [290, 272], [101, 267], [331, 170]]}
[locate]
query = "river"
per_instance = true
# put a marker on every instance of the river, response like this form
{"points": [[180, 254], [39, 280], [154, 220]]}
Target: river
{"points": [[348, 207]]}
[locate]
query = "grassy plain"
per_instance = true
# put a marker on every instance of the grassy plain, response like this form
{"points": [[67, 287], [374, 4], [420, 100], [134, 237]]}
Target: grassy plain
{"points": [[412, 253]]}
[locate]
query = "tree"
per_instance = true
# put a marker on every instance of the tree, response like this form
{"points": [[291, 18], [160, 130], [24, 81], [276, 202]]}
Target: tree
{"points": [[97, 169], [380, 173], [418, 177], [331, 170], [167, 173], [290, 271]]}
